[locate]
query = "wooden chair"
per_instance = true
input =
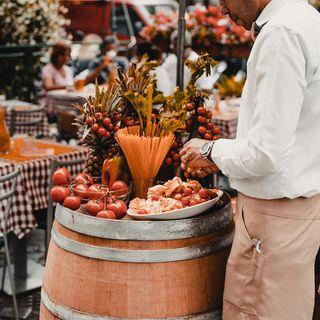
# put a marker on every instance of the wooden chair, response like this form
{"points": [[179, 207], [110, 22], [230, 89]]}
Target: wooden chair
{"points": [[4, 240], [50, 211], [31, 118], [66, 129]]}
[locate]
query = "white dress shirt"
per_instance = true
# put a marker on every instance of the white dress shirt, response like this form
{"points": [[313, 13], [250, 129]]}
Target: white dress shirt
{"points": [[277, 150]]}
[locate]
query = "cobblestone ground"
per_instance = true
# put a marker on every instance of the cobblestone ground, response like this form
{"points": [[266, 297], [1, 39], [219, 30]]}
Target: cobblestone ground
{"points": [[32, 298]]}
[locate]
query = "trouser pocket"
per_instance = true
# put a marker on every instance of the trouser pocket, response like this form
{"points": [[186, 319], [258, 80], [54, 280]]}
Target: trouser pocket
{"points": [[243, 275]]}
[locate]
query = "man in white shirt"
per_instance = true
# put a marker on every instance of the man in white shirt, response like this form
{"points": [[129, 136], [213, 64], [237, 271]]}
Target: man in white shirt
{"points": [[274, 163]]}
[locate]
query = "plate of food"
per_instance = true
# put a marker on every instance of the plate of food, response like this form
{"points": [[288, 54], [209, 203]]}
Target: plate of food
{"points": [[174, 200]]}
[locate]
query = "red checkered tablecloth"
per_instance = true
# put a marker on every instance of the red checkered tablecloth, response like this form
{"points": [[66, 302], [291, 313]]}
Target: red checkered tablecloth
{"points": [[41, 129], [228, 127], [32, 189]]}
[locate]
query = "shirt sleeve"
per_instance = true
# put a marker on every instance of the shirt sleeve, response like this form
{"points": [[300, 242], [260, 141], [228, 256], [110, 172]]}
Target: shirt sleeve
{"points": [[279, 77]]}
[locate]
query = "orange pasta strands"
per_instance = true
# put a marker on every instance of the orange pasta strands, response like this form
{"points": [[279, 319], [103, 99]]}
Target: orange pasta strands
{"points": [[144, 153]]}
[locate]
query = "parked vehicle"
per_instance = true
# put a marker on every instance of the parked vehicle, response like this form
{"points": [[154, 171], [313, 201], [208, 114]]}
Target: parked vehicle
{"points": [[125, 18]]}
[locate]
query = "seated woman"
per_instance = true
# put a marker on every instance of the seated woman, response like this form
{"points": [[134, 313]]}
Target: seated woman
{"points": [[56, 74]]}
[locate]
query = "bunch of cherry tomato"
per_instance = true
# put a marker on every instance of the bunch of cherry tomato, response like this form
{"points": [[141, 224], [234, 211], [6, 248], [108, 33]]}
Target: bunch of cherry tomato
{"points": [[99, 200]]}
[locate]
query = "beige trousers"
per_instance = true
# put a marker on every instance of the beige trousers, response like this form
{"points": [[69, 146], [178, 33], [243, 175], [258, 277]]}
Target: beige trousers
{"points": [[270, 271]]}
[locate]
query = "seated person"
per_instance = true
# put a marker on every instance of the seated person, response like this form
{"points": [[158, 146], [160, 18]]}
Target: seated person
{"points": [[56, 74], [104, 66]]}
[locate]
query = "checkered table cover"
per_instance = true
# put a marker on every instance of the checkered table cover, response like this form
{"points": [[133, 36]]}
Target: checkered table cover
{"points": [[228, 128], [41, 129], [32, 189]]}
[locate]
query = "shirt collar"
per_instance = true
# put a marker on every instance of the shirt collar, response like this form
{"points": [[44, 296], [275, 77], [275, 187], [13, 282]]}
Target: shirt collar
{"points": [[271, 8]]}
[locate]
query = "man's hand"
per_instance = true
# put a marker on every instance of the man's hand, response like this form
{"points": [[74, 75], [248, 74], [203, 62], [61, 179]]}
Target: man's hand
{"points": [[193, 162], [107, 60]]}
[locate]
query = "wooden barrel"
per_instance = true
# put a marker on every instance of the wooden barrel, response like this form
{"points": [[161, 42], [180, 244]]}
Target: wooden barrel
{"points": [[107, 269]]}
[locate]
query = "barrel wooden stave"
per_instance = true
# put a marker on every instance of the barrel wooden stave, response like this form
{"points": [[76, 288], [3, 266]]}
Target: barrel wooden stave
{"points": [[121, 290]]}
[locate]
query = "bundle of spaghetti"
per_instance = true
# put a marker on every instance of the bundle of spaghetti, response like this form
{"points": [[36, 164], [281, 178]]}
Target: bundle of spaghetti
{"points": [[145, 151]]}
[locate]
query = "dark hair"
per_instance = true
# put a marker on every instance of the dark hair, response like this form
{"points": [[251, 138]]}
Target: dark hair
{"points": [[153, 52], [109, 40], [59, 49]]}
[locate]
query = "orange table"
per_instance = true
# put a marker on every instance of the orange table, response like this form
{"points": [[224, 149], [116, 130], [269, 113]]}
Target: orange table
{"points": [[34, 157]]}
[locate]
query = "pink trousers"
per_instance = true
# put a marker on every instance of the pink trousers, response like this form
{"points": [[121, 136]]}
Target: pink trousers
{"points": [[270, 271]]}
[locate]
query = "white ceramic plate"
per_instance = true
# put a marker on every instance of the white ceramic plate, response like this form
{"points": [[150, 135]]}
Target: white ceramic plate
{"points": [[187, 212]]}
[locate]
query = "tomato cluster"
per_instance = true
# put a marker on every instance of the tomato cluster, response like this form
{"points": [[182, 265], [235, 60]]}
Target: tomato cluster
{"points": [[100, 200], [190, 196], [104, 125], [173, 158], [201, 119]]}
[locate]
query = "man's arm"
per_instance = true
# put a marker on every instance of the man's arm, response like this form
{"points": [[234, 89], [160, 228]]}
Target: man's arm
{"points": [[280, 86]]}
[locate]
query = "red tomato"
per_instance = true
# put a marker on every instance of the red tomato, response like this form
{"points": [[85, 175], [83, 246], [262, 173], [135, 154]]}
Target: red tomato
{"points": [[95, 127], [99, 115], [210, 125], [204, 193], [168, 161], [72, 202], [202, 119], [61, 176], [106, 214], [93, 207], [80, 190], [118, 185], [154, 198], [176, 164], [83, 178], [201, 110], [107, 134], [118, 207], [209, 115], [102, 132], [118, 117], [207, 136], [58, 193], [106, 121], [202, 130], [187, 191], [96, 192], [216, 130], [185, 201], [89, 121], [190, 106]]}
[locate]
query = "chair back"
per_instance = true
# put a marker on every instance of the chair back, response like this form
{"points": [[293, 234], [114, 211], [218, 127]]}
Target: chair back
{"points": [[55, 164], [30, 118], [8, 195], [65, 120]]}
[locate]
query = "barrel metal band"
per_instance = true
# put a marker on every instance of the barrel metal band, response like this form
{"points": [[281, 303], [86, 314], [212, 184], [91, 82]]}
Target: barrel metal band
{"points": [[139, 256], [145, 230], [66, 313]]}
